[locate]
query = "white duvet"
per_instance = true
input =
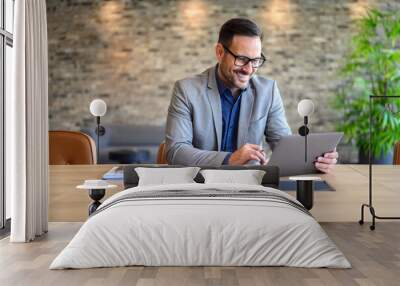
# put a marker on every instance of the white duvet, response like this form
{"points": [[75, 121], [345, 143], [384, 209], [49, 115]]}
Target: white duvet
{"points": [[207, 230]]}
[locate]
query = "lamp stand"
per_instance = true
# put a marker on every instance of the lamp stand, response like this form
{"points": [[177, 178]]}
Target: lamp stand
{"points": [[303, 131], [100, 131], [369, 205]]}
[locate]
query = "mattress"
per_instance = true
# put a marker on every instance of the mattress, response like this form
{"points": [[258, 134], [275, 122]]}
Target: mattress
{"points": [[201, 225]]}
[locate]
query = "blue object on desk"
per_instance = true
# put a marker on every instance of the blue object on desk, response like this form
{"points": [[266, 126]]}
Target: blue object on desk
{"points": [[116, 173], [286, 185]]}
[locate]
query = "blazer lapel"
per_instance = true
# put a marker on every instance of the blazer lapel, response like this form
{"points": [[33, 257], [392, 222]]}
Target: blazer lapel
{"points": [[215, 102], [246, 107]]}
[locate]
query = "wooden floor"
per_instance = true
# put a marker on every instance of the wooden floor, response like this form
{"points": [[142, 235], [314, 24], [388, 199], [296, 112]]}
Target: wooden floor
{"points": [[374, 255]]}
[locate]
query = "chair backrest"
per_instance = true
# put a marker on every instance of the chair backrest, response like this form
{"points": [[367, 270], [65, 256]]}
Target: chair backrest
{"points": [[71, 147], [396, 154], [161, 154]]}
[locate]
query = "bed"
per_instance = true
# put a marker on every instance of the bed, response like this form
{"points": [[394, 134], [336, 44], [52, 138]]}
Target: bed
{"points": [[201, 224]]}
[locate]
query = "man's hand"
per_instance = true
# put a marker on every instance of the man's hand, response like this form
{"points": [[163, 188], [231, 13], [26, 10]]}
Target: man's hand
{"points": [[246, 153], [327, 163]]}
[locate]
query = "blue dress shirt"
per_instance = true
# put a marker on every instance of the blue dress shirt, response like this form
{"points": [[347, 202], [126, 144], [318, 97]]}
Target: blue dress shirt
{"points": [[230, 118]]}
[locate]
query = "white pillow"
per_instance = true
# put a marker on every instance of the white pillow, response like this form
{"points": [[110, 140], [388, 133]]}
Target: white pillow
{"points": [[248, 177], [163, 176]]}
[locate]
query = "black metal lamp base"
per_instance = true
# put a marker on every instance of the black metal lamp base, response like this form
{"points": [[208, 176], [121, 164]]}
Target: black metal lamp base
{"points": [[374, 216], [96, 195], [305, 193], [369, 205]]}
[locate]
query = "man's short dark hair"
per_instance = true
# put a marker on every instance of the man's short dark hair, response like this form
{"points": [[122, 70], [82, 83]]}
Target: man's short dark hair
{"points": [[238, 26]]}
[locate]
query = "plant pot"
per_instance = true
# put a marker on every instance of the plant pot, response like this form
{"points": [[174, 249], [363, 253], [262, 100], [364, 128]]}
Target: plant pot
{"points": [[381, 160]]}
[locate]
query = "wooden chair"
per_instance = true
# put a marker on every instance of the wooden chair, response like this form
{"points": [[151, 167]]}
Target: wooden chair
{"points": [[396, 154], [71, 147], [161, 154]]}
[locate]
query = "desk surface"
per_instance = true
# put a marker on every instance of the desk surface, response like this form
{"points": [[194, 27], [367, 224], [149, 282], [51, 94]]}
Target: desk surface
{"points": [[350, 182]]}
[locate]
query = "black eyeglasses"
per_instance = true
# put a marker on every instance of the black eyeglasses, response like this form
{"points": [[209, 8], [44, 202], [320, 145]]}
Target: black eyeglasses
{"points": [[241, 61]]}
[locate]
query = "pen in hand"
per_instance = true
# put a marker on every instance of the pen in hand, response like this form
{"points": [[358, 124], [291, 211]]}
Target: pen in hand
{"points": [[264, 162]]}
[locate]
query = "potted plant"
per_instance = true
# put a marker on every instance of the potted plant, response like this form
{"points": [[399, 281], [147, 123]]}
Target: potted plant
{"points": [[372, 67]]}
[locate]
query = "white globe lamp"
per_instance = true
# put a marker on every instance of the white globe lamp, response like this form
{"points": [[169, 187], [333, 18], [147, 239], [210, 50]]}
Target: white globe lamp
{"points": [[305, 109], [98, 108]]}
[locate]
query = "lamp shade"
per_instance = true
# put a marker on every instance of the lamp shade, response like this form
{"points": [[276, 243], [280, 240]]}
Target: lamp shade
{"points": [[98, 107], [305, 107]]}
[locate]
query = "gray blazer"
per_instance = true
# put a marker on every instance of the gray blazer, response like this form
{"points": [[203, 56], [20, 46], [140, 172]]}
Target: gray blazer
{"points": [[194, 122]]}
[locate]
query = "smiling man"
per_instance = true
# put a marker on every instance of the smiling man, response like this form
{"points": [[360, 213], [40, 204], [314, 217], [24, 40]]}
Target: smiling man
{"points": [[221, 115]]}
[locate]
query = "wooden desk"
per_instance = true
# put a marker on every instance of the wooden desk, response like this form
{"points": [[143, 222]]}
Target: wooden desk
{"points": [[66, 203], [350, 182]]}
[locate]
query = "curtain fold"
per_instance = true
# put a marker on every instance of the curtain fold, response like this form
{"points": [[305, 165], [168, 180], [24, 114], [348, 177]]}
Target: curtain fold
{"points": [[27, 122]]}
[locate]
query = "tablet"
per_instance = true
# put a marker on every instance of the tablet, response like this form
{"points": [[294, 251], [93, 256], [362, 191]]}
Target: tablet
{"points": [[288, 154]]}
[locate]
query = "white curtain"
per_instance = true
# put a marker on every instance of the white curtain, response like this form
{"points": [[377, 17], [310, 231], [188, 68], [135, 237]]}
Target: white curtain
{"points": [[27, 123]]}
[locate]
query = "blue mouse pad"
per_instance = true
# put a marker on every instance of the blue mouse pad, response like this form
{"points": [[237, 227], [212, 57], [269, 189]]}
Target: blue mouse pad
{"points": [[287, 185]]}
